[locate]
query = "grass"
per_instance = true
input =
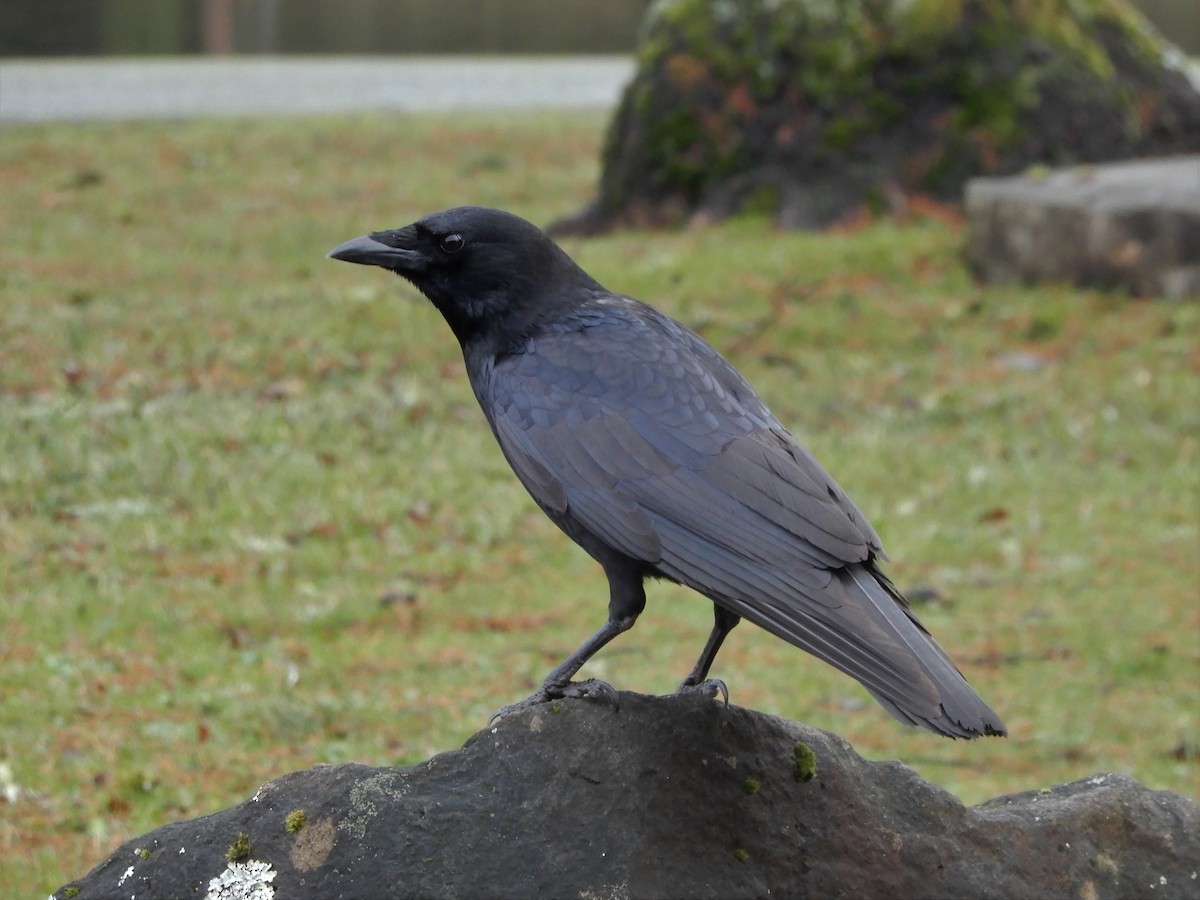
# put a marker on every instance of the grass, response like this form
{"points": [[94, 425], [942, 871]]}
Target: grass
{"points": [[251, 519]]}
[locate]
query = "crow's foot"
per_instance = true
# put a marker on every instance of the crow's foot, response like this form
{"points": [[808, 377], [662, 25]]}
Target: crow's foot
{"points": [[591, 689], [711, 688]]}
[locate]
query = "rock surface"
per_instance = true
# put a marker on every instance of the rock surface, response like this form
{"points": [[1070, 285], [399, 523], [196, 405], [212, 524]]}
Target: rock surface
{"points": [[806, 111], [1127, 225], [669, 797]]}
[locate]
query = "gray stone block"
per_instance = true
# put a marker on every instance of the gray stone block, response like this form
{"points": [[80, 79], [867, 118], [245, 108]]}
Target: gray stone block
{"points": [[1132, 226]]}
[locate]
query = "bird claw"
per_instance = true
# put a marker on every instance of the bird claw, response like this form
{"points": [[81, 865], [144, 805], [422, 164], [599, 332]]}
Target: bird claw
{"points": [[591, 689], [712, 688]]}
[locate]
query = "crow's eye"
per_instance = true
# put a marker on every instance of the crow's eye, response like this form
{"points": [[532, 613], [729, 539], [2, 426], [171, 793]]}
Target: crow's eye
{"points": [[453, 242]]}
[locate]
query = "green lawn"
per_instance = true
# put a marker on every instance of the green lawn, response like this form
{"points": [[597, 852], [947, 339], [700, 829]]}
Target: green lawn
{"points": [[252, 520]]}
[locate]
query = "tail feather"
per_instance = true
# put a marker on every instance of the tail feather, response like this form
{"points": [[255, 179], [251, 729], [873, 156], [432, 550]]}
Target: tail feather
{"points": [[961, 712], [852, 619]]}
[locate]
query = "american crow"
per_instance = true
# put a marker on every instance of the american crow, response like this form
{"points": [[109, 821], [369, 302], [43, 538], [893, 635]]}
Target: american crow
{"points": [[644, 445]]}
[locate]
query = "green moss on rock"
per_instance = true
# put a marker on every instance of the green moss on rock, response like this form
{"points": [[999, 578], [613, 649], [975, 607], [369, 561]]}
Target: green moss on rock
{"points": [[737, 100], [239, 850], [804, 762]]}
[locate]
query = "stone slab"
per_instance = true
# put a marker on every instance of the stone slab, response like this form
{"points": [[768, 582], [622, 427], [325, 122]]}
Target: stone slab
{"points": [[1131, 226]]}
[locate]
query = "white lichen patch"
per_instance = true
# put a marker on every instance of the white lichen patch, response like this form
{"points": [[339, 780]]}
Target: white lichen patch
{"points": [[381, 788], [606, 892], [250, 880]]}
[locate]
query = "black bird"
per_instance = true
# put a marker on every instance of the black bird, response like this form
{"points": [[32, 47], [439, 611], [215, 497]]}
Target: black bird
{"points": [[644, 445]]}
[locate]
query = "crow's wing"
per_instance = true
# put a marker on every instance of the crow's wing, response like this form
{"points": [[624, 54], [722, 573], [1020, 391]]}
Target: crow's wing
{"points": [[626, 425], [630, 416]]}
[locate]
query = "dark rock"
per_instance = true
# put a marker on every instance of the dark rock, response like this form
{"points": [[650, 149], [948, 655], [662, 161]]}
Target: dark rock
{"points": [[806, 110], [669, 797], [1134, 226]]}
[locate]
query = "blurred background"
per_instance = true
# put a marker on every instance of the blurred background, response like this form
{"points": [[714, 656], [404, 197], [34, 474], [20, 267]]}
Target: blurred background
{"points": [[168, 27], [250, 518]]}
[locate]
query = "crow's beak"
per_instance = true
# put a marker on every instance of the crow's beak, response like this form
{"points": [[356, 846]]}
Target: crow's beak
{"points": [[382, 248]]}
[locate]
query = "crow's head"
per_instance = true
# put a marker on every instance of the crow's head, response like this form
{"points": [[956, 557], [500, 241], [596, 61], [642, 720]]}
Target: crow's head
{"points": [[483, 268]]}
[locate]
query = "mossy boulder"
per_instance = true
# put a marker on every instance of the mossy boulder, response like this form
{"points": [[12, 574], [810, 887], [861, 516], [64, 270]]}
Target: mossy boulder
{"points": [[805, 110]]}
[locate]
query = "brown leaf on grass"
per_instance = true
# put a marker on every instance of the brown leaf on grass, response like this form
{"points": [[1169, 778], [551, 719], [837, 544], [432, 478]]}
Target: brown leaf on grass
{"points": [[75, 373], [236, 636], [1077, 754], [852, 222], [420, 513], [854, 283], [219, 573], [217, 375], [925, 267], [284, 389], [451, 656], [321, 531], [995, 514], [327, 366], [1185, 751], [406, 610], [991, 655], [503, 624], [925, 207]]}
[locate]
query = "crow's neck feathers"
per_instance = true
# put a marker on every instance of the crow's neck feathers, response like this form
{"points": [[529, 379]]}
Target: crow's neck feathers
{"points": [[494, 316]]}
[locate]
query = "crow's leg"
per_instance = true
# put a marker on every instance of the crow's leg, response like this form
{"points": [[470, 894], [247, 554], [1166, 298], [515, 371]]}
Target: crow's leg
{"points": [[627, 599], [698, 681]]}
